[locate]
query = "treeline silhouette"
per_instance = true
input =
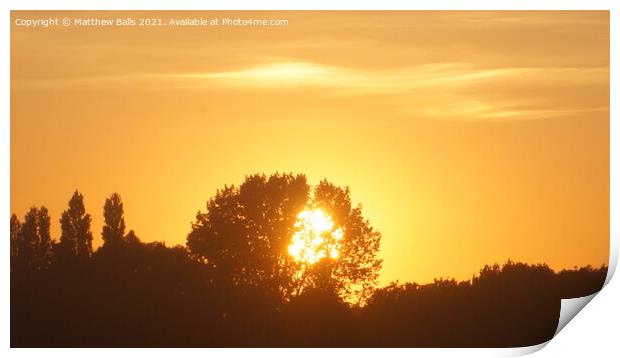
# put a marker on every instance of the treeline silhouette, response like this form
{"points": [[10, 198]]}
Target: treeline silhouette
{"points": [[234, 285]]}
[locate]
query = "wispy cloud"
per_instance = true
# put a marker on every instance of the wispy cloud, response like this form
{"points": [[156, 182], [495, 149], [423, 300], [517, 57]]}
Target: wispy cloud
{"points": [[352, 81], [442, 90], [437, 90]]}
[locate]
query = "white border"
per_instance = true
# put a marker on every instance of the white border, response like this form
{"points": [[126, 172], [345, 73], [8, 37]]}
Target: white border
{"points": [[597, 330]]}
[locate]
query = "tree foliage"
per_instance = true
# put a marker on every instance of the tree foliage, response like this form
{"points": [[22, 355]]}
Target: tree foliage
{"points": [[114, 222], [76, 238], [354, 274], [244, 233], [16, 228], [221, 293], [32, 242], [246, 230]]}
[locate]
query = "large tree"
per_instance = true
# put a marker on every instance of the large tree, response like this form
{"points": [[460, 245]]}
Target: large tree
{"points": [[76, 238], [246, 232]]}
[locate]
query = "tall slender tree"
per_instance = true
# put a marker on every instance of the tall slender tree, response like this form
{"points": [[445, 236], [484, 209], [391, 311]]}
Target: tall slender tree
{"points": [[76, 238], [114, 223], [34, 243]]}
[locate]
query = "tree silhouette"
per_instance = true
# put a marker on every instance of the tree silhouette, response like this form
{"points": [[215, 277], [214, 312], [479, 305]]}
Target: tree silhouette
{"points": [[220, 294], [33, 243], [113, 233], [16, 228], [245, 233], [354, 273], [132, 238], [76, 238]]}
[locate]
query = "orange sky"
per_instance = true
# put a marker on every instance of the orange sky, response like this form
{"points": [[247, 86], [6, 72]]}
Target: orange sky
{"points": [[469, 137]]}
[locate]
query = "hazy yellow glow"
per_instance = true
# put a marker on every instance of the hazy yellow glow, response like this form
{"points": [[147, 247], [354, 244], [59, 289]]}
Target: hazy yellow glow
{"points": [[315, 237]]}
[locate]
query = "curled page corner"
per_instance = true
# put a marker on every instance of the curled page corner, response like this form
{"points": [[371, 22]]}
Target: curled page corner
{"points": [[569, 309], [523, 351]]}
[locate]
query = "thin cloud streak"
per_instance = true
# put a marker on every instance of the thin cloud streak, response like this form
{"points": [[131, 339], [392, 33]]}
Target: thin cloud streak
{"points": [[436, 90], [441, 90], [351, 81]]}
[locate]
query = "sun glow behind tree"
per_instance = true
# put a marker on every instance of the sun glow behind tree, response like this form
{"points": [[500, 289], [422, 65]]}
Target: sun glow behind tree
{"points": [[315, 237]]}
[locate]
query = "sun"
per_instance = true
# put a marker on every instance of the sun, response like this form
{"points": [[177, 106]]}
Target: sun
{"points": [[315, 237]]}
